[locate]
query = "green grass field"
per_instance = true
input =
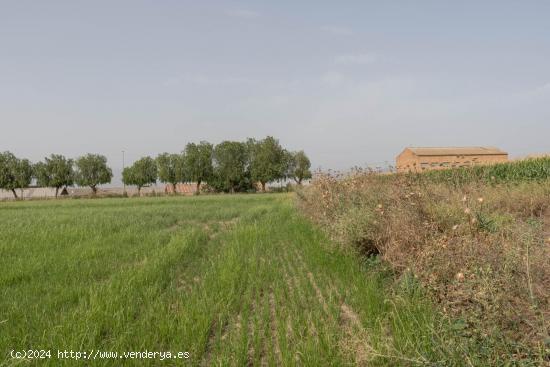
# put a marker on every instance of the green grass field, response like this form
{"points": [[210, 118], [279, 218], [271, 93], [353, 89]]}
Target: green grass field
{"points": [[233, 280]]}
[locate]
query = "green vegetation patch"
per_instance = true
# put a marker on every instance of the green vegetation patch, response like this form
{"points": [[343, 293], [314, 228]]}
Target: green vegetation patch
{"points": [[233, 280]]}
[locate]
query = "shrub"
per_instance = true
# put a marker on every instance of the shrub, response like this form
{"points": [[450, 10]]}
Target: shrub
{"points": [[478, 248]]}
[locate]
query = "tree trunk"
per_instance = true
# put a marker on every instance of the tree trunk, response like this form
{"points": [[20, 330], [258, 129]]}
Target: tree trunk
{"points": [[14, 193], [94, 190], [198, 191], [56, 191], [175, 191], [263, 186], [139, 191], [300, 181]]}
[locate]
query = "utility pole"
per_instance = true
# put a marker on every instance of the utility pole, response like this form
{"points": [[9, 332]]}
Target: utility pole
{"points": [[123, 190]]}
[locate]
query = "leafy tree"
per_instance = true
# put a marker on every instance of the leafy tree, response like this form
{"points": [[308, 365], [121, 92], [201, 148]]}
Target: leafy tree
{"points": [[128, 177], [230, 161], [170, 168], [198, 162], [141, 174], [267, 160], [56, 171], [92, 170], [14, 173], [298, 167], [24, 174]]}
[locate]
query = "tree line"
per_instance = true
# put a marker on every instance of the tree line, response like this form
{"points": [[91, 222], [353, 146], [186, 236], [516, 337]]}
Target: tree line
{"points": [[230, 166]]}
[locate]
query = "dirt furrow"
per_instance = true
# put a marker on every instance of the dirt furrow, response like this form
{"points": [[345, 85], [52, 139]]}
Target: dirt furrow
{"points": [[251, 333], [313, 282], [292, 281], [274, 330], [318, 292], [355, 342], [212, 335]]}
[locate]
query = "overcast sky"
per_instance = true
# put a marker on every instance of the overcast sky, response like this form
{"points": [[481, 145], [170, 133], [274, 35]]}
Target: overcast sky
{"points": [[350, 82]]}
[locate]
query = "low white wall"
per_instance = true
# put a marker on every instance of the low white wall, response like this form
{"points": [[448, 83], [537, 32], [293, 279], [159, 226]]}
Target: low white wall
{"points": [[30, 193], [47, 192]]}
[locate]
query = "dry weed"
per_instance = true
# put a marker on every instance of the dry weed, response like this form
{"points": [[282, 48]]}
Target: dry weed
{"points": [[479, 249]]}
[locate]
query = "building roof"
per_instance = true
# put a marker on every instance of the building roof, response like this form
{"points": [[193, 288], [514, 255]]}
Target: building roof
{"points": [[436, 151]]}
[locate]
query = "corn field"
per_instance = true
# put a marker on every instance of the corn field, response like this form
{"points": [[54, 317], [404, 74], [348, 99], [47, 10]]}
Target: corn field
{"points": [[535, 169]]}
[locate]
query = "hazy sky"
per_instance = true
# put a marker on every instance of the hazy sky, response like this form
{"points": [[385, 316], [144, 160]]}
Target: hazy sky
{"points": [[350, 82]]}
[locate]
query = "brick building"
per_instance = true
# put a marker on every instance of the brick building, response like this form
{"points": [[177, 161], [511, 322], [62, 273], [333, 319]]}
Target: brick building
{"points": [[422, 159], [181, 188]]}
